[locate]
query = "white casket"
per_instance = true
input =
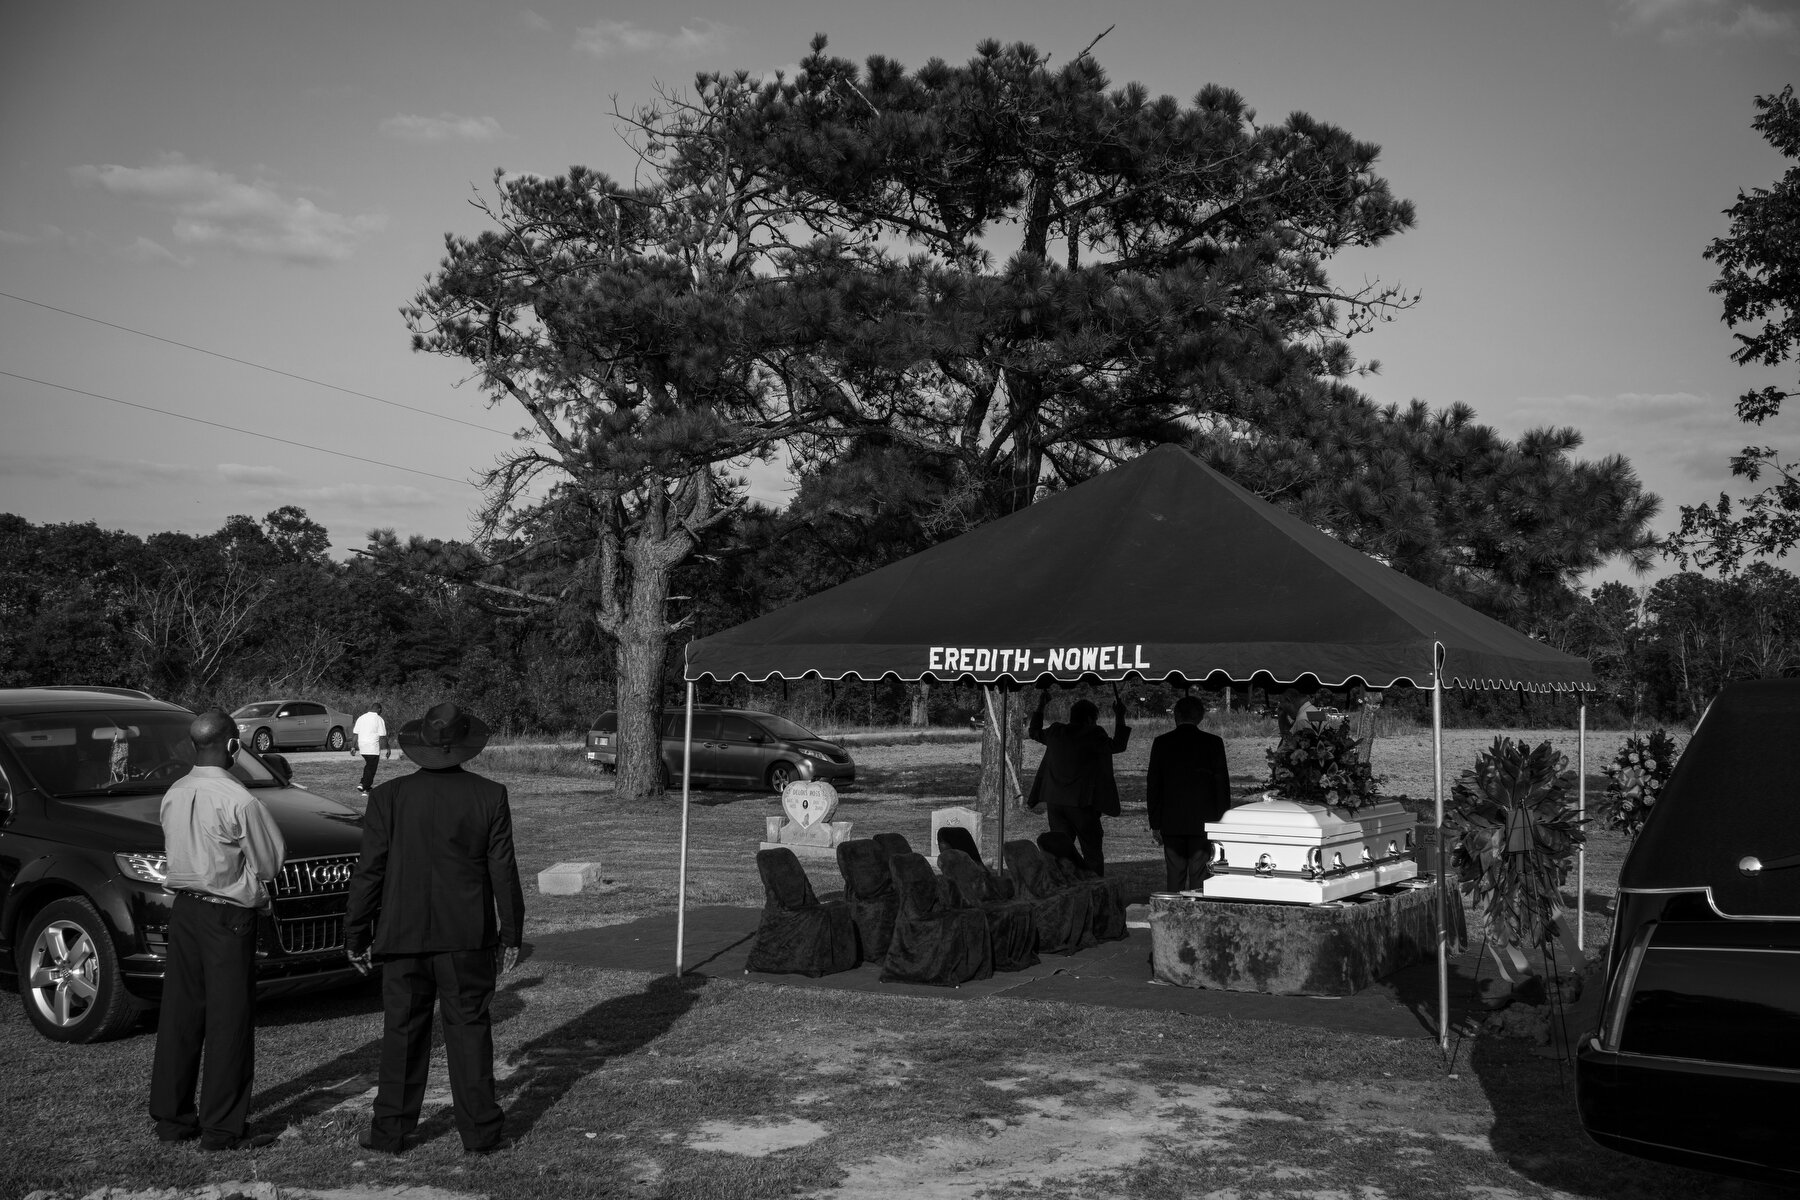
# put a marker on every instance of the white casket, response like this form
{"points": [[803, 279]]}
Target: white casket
{"points": [[1388, 841], [1306, 853]]}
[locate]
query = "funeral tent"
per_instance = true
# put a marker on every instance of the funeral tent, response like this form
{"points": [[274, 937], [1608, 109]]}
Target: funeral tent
{"points": [[1158, 569]]}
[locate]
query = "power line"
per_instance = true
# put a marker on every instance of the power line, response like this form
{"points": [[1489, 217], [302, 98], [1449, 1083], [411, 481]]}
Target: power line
{"points": [[259, 366], [267, 437]]}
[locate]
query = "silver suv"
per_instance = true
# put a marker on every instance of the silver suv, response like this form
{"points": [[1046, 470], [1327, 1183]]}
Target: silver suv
{"points": [[734, 747]]}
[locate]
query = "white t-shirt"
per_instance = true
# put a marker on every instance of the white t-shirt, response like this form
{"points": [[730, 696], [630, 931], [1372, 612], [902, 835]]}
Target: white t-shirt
{"points": [[370, 729]]}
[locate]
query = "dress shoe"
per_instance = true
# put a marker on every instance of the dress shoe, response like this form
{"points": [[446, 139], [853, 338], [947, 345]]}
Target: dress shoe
{"points": [[367, 1141], [250, 1141], [184, 1135], [504, 1143]]}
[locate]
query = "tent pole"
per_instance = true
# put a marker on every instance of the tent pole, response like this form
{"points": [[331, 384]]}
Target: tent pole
{"points": [[1005, 765], [687, 763], [1443, 851], [1581, 812]]}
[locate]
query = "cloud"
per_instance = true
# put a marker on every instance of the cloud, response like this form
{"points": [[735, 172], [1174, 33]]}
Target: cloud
{"points": [[215, 208], [277, 485], [1686, 21], [534, 21], [603, 39], [445, 127], [92, 471], [148, 251]]}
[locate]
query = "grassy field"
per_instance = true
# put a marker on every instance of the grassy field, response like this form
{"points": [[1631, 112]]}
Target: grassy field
{"points": [[627, 1085]]}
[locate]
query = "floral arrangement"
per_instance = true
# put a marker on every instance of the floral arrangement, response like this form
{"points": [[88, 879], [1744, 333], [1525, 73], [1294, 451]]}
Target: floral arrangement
{"points": [[1635, 778], [1519, 833], [1319, 764]]}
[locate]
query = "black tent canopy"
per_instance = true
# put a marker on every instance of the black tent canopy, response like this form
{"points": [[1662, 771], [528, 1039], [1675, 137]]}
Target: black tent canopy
{"points": [[1161, 568], [1158, 569]]}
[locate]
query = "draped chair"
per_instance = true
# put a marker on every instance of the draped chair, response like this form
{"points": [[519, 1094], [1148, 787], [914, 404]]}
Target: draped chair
{"points": [[869, 891], [1012, 924], [933, 943], [1109, 894], [891, 844], [1064, 915], [798, 935], [955, 837]]}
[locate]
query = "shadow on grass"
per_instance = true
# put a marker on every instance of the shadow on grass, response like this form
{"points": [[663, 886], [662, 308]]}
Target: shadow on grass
{"points": [[355, 1070], [552, 1064]]}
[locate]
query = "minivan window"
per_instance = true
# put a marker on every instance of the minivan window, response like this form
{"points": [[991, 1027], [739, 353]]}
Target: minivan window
{"points": [[739, 729], [706, 727], [783, 728]]}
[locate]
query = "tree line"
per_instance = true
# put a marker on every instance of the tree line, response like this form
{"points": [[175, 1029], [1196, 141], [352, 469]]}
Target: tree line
{"points": [[259, 610]]}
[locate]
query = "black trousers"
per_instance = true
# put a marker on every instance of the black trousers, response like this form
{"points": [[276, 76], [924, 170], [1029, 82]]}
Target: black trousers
{"points": [[1084, 825], [368, 776], [461, 984], [1185, 856], [208, 999]]}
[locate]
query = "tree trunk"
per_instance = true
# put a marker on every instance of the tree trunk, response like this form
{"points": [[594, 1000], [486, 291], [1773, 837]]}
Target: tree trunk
{"points": [[642, 640], [920, 696]]}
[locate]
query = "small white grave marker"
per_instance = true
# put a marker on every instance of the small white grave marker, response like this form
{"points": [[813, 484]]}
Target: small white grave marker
{"points": [[568, 878]]}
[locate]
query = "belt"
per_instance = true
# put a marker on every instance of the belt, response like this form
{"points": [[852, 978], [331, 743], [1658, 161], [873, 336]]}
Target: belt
{"points": [[209, 898]]}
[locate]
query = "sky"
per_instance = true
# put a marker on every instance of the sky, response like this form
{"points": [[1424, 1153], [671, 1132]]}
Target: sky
{"points": [[271, 183]]}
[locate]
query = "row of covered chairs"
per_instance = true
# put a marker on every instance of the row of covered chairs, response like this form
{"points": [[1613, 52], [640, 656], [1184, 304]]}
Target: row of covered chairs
{"points": [[923, 927]]}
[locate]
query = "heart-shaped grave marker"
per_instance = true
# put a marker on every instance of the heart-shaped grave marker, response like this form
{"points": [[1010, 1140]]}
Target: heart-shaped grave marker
{"points": [[809, 802]]}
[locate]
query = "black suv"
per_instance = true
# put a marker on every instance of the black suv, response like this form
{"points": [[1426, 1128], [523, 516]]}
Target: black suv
{"points": [[1697, 1057], [733, 747], [83, 917]]}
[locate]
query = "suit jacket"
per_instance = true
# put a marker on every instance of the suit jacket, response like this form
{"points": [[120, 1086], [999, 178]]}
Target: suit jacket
{"points": [[1077, 768], [437, 866], [1189, 783]]}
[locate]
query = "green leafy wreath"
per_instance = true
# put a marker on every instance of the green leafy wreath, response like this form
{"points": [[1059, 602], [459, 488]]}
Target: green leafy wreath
{"points": [[1518, 839]]}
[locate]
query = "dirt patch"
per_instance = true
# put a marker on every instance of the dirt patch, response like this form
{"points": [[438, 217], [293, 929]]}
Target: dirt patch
{"points": [[756, 1139]]}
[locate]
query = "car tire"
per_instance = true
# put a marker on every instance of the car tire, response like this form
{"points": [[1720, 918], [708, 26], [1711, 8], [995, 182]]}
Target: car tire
{"points": [[780, 775], [69, 977], [335, 741], [262, 741]]}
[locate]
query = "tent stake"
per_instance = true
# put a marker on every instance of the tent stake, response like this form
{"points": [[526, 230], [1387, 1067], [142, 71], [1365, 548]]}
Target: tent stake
{"points": [[687, 764]]}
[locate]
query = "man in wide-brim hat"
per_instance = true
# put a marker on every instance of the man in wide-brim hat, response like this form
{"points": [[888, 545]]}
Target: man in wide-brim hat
{"points": [[437, 866]]}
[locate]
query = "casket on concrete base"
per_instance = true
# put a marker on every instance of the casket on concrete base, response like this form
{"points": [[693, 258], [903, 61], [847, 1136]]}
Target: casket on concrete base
{"points": [[1276, 849]]}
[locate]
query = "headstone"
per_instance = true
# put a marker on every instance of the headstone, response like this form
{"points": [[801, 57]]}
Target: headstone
{"points": [[807, 828], [568, 878], [958, 815]]}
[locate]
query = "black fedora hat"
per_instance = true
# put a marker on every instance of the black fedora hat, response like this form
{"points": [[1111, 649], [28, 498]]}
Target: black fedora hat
{"points": [[443, 737]]}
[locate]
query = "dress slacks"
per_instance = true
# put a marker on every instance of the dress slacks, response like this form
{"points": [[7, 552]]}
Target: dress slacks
{"points": [[1185, 858], [460, 983], [1084, 825], [208, 1001]]}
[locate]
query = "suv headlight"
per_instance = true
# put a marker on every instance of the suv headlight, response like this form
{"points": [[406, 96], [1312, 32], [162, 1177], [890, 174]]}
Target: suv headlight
{"points": [[820, 755], [151, 868]]}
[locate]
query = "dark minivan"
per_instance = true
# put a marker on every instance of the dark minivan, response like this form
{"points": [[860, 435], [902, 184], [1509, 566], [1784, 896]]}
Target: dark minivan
{"points": [[83, 916], [1697, 1057], [734, 747]]}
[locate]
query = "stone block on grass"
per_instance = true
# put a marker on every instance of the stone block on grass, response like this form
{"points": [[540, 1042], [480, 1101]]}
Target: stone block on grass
{"points": [[568, 878]]}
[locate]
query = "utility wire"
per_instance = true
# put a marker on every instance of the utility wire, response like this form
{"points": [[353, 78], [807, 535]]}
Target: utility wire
{"points": [[259, 366], [267, 437]]}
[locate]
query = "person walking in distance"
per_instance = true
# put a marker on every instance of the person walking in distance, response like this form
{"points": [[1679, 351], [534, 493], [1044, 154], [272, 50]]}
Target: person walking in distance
{"points": [[1188, 786], [437, 866], [223, 851], [1075, 779], [371, 739]]}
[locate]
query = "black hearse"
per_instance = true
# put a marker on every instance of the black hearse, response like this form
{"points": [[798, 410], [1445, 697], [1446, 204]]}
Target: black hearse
{"points": [[83, 916], [1697, 1057]]}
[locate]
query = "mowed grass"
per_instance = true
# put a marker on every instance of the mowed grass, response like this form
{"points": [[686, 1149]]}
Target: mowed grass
{"points": [[628, 1085]]}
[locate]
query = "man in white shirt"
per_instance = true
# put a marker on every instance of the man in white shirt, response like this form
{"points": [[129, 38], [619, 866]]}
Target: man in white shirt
{"points": [[223, 848], [371, 739]]}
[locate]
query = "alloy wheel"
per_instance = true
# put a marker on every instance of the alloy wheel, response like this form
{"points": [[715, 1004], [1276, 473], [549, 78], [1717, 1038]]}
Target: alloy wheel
{"points": [[64, 973]]}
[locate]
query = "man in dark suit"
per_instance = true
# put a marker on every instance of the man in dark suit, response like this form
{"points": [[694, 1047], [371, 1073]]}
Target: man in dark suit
{"points": [[437, 866], [1075, 779], [1188, 785]]}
